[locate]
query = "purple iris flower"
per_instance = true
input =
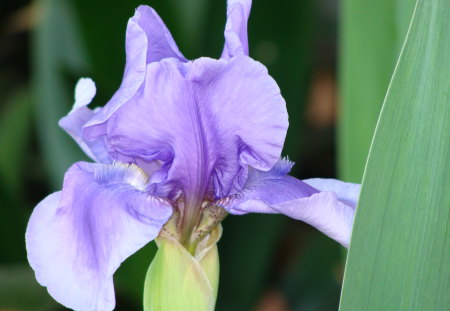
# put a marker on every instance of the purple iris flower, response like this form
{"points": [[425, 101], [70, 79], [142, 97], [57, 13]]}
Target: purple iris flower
{"points": [[178, 138]]}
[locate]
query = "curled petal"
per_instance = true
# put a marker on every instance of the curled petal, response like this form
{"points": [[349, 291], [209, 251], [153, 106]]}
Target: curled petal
{"points": [[80, 114], [323, 211], [347, 193], [236, 39], [77, 238], [84, 93], [205, 118], [160, 43], [275, 192], [147, 40]]}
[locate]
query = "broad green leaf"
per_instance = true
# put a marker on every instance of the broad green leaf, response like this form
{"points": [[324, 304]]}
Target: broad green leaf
{"points": [[400, 250], [403, 13], [372, 33]]}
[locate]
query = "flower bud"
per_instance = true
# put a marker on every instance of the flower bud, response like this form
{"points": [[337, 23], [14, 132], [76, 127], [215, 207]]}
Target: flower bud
{"points": [[177, 280]]}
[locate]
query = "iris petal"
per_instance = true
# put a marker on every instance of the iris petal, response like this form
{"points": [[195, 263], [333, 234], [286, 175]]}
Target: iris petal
{"points": [[80, 114], [147, 40], [78, 237], [275, 192], [347, 193], [236, 39], [204, 118], [324, 212], [160, 43], [84, 93]]}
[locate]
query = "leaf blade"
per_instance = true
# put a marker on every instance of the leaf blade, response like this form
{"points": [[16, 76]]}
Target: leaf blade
{"points": [[400, 249]]}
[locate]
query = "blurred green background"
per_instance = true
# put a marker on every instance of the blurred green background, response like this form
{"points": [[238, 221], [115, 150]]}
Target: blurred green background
{"points": [[267, 262]]}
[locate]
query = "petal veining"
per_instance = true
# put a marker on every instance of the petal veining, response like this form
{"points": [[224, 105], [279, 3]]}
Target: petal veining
{"points": [[77, 238], [160, 43], [209, 119]]}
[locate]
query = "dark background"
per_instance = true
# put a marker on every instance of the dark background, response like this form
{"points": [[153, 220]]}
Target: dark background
{"points": [[267, 262]]}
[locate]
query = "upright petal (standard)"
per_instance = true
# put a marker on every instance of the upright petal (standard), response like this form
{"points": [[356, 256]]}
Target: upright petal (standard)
{"points": [[236, 38], [147, 41], [208, 119]]}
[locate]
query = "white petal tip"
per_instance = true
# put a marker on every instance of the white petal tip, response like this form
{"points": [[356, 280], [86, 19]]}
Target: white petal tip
{"points": [[84, 92]]}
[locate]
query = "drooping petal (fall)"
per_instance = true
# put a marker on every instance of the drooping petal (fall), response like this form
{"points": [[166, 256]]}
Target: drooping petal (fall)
{"points": [[77, 238], [276, 192], [347, 193], [207, 119], [236, 39]]}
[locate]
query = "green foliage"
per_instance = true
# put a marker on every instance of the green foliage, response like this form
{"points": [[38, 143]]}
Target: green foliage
{"points": [[246, 253], [313, 281], [15, 124], [281, 37], [400, 250], [58, 56], [372, 34], [86, 38], [19, 291], [15, 135]]}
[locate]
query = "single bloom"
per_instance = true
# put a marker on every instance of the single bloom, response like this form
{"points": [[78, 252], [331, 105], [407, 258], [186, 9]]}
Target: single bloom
{"points": [[185, 140]]}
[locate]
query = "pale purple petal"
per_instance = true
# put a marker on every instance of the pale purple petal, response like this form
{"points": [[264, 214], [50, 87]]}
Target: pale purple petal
{"points": [[236, 39], [275, 192], [80, 114], [323, 211], [160, 43], [147, 40], [347, 193], [77, 238], [207, 120]]}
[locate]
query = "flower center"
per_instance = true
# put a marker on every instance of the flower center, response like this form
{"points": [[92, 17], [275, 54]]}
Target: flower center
{"points": [[209, 217]]}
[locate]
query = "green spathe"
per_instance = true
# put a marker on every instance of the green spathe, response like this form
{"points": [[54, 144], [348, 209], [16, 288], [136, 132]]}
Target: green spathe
{"points": [[178, 281]]}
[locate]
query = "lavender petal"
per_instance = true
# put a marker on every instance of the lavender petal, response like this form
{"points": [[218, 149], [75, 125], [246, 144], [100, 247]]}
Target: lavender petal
{"points": [[275, 192], [236, 39], [80, 114], [347, 193], [77, 238], [207, 120], [147, 41]]}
